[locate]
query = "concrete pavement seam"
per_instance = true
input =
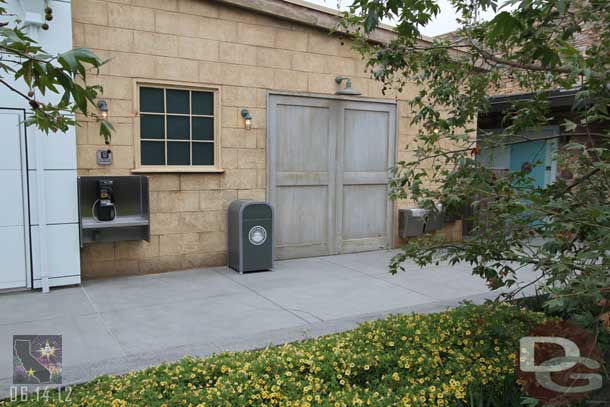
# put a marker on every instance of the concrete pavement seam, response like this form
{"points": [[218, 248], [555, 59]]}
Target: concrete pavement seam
{"points": [[106, 327], [264, 297], [377, 278]]}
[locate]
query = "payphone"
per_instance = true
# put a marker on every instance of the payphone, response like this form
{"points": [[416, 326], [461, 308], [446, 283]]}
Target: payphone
{"points": [[104, 209], [113, 208]]}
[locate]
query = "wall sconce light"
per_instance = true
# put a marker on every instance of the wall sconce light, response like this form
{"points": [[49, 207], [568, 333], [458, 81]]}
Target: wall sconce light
{"points": [[247, 118], [102, 105], [348, 86]]}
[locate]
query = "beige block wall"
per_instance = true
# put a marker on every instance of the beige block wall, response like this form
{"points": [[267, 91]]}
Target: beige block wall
{"points": [[199, 41]]}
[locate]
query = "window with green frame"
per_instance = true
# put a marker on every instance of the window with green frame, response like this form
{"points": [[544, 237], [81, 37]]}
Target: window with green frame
{"points": [[177, 126]]}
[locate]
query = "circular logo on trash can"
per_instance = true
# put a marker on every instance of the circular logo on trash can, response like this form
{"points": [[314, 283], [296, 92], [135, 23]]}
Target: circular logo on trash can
{"points": [[257, 235]]}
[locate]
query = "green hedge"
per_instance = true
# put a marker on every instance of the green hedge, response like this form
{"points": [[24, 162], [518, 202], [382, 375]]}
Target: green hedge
{"points": [[456, 358]]}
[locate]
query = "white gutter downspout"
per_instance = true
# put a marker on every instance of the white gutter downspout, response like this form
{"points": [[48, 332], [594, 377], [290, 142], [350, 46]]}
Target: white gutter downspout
{"points": [[33, 20]]}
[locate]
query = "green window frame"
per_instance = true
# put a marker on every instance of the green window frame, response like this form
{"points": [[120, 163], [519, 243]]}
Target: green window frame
{"points": [[177, 128]]}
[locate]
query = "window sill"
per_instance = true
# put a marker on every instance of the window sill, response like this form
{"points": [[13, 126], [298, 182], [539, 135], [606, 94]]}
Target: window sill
{"points": [[170, 170]]}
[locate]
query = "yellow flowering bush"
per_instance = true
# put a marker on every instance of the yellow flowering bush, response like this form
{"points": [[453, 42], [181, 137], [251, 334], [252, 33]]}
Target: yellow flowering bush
{"points": [[453, 358]]}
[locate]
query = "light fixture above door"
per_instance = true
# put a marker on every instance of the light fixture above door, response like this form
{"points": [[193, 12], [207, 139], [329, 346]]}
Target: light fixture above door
{"points": [[348, 90]]}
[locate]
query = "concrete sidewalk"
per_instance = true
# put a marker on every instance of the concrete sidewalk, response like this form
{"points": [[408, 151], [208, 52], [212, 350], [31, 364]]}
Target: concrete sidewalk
{"points": [[113, 326]]}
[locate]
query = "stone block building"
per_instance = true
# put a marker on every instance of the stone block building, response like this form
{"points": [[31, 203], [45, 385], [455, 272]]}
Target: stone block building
{"points": [[226, 57]]}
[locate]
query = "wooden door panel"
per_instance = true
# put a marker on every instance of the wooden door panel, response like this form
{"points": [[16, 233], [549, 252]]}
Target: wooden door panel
{"points": [[366, 147], [302, 212], [364, 245], [302, 216], [364, 211], [328, 163], [364, 178], [301, 178], [304, 135]]}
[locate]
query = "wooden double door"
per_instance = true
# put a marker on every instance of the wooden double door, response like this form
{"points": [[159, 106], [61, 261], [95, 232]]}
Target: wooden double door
{"points": [[328, 162]]}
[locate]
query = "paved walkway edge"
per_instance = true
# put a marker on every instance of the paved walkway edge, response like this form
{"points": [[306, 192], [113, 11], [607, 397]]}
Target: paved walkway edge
{"points": [[122, 365]]}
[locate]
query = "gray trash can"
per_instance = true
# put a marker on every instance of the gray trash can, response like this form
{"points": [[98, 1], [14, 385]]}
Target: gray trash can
{"points": [[250, 233], [412, 222]]}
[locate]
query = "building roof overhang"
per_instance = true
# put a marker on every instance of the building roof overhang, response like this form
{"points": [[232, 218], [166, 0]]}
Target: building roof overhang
{"points": [[310, 14], [559, 98]]}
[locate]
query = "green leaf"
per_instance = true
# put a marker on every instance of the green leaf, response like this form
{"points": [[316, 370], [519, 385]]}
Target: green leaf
{"points": [[503, 25], [106, 130], [372, 21]]}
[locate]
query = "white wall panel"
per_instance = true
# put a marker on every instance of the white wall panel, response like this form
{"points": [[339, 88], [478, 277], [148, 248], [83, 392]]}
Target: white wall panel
{"points": [[13, 255], [55, 199], [10, 141], [62, 249], [58, 38], [11, 198], [59, 150], [61, 197], [13, 240]]}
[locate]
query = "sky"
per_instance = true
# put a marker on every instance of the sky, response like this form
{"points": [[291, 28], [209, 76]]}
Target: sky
{"points": [[445, 22]]}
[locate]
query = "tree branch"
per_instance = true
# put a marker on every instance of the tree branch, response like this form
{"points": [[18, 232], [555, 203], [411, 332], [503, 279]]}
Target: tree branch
{"points": [[513, 294], [15, 90], [581, 179], [25, 55], [526, 67]]}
